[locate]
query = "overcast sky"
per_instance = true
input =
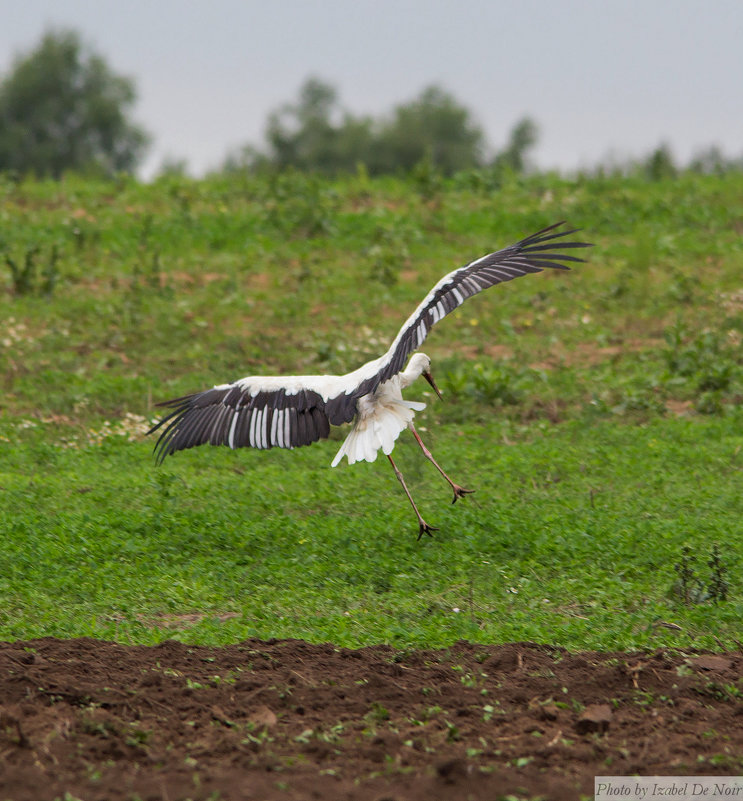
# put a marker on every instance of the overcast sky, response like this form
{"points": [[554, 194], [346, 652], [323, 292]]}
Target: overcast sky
{"points": [[600, 77]]}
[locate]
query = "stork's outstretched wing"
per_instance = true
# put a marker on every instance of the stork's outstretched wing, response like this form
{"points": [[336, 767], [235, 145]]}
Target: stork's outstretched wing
{"points": [[243, 414], [531, 255], [289, 411]]}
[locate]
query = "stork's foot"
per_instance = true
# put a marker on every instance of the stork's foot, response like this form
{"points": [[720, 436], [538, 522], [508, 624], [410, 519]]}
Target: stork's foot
{"points": [[424, 528], [460, 492]]}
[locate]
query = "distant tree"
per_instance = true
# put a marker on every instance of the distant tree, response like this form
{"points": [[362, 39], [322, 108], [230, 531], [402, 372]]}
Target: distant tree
{"points": [[316, 133], [521, 140], [433, 126], [660, 164], [173, 166], [711, 161], [62, 108], [355, 142], [246, 158], [303, 134]]}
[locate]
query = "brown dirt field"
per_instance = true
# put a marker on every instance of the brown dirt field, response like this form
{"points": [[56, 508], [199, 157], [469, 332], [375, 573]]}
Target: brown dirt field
{"points": [[290, 720]]}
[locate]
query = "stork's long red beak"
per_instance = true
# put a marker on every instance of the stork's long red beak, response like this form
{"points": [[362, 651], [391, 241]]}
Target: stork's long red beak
{"points": [[427, 375]]}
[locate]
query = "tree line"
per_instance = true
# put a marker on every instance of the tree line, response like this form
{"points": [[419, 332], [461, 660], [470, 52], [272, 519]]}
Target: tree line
{"points": [[316, 133], [62, 108]]}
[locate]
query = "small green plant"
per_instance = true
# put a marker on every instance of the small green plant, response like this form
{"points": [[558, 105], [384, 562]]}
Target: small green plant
{"points": [[690, 588], [426, 176], [718, 585], [301, 205], [491, 709], [137, 738], [24, 275], [453, 734], [706, 365], [487, 383], [378, 713], [681, 288], [640, 397], [388, 252]]}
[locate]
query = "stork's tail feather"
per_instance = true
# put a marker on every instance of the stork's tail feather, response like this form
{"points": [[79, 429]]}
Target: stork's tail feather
{"points": [[370, 435]]}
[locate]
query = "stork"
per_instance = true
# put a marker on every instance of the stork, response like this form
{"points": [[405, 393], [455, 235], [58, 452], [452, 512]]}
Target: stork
{"points": [[290, 411]]}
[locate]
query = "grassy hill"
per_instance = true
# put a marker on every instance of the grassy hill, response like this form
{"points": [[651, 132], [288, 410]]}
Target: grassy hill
{"points": [[596, 412]]}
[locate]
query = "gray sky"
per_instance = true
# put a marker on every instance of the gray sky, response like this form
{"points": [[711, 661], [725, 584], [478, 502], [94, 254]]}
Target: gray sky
{"points": [[600, 77]]}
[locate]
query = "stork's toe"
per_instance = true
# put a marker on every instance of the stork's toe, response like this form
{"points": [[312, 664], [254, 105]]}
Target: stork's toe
{"points": [[424, 528], [460, 492]]}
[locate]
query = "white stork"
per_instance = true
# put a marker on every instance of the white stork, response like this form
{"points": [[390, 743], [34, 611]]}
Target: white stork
{"points": [[289, 411]]}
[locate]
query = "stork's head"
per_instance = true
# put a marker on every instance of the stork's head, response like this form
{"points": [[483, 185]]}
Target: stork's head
{"points": [[419, 364]]}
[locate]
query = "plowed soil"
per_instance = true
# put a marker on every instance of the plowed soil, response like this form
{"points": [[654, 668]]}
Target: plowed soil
{"points": [[290, 720]]}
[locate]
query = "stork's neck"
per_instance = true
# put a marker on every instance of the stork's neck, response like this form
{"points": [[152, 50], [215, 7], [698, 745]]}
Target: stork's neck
{"points": [[416, 366]]}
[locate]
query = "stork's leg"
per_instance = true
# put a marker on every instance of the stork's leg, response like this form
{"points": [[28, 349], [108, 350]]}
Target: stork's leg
{"points": [[423, 527], [459, 492]]}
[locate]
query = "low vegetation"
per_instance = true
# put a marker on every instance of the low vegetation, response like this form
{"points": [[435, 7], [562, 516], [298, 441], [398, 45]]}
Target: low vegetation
{"points": [[596, 412]]}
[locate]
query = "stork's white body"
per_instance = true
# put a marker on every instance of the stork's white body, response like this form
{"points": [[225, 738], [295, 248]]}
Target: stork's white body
{"points": [[382, 416], [289, 411]]}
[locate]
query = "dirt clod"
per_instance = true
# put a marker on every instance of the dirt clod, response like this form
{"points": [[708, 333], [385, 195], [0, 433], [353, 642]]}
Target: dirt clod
{"points": [[263, 716], [594, 718], [710, 662]]}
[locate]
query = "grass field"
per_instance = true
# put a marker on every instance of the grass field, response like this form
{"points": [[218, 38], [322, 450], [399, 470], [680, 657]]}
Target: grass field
{"points": [[597, 413]]}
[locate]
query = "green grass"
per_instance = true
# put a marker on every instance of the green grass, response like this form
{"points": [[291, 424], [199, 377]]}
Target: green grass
{"points": [[571, 538], [596, 413]]}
